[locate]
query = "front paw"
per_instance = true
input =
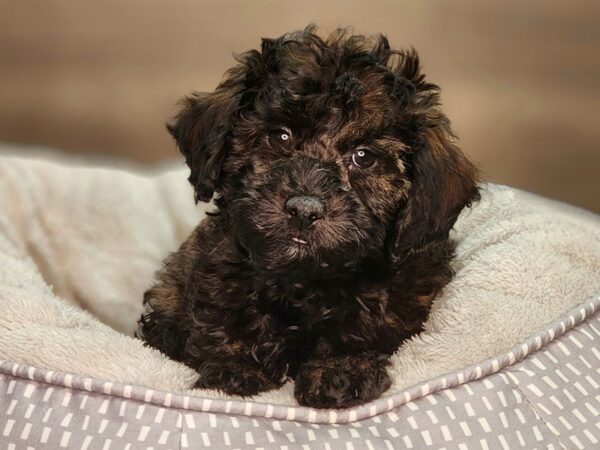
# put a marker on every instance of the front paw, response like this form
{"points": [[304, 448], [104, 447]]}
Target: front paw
{"points": [[341, 382], [234, 378]]}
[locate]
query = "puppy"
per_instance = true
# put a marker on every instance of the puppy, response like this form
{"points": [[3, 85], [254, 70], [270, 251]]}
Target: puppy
{"points": [[337, 181]]}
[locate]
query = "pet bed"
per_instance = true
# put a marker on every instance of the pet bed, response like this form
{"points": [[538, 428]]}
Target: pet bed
{"points": [[510, 356]]}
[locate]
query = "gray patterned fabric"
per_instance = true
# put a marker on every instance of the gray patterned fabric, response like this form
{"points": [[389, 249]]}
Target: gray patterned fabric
{"points": [[545, 393]]}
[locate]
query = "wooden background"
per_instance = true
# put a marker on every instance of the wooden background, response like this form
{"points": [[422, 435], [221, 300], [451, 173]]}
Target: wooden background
{"points": [[519, 79]]}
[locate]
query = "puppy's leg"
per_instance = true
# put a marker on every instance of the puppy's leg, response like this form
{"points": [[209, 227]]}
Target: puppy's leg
{"points": [[236, 376], [342, 381], [221, 362]]}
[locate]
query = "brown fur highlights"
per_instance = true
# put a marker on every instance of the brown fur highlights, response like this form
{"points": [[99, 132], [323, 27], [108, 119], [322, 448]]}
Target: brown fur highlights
{"points": [[337, 181]]}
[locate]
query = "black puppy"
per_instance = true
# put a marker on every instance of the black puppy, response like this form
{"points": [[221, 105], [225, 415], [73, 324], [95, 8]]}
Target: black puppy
{"points": [[337, 179]]}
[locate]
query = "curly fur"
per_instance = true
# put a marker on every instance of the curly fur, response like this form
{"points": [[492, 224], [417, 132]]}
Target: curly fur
{"points": [[245, 304]]}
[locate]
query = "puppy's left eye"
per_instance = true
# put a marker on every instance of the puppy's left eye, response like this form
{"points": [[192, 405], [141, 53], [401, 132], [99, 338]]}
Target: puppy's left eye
{"points": [[363, 158], [282, 136]]}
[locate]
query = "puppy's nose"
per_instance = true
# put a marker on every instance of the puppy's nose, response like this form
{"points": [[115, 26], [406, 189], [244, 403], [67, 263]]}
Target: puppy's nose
{"points": [[304, 209]]}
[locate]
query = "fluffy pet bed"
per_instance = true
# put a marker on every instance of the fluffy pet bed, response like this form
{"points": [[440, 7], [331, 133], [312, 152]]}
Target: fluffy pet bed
{"points": [[509, 358]]}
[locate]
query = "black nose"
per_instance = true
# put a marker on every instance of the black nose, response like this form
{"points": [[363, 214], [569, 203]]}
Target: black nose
{"points": [[304, 209]]}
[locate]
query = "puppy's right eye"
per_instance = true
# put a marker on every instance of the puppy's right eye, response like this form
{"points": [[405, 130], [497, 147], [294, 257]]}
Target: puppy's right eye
{"points": [[363, 158], [280, 137]]}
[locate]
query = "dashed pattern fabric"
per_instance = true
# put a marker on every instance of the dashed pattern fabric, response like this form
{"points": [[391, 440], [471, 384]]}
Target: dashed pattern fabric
{"points": [[543, 394]]}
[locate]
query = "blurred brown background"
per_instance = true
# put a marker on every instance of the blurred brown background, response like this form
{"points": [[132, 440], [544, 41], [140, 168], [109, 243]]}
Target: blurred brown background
{"points": [[519, 79]]}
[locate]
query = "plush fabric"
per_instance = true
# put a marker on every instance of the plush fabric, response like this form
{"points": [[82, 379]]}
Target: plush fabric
{"points": [[541, 394], [79, 245]]}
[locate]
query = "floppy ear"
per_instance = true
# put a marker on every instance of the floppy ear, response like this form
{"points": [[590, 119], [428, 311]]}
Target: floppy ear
{"points": [[443, 180], [202, 130]]}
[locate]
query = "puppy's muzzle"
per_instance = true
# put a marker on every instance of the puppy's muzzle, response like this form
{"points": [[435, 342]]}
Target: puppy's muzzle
{"points": [[304, 210]]}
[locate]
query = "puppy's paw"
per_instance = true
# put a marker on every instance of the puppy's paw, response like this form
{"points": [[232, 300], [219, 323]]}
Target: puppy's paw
{"points": [[342, 382], [234, 378]]}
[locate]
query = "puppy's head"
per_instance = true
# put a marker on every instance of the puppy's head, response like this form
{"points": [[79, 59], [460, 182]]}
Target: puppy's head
{"points": [[325, 153]]}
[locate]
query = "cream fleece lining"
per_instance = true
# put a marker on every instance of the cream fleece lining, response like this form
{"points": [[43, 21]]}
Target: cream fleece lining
{"points": [[80, 238]]}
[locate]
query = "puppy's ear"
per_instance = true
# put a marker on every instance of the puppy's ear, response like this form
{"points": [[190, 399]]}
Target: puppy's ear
{"points": [[443, 180], [202, 130]]}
